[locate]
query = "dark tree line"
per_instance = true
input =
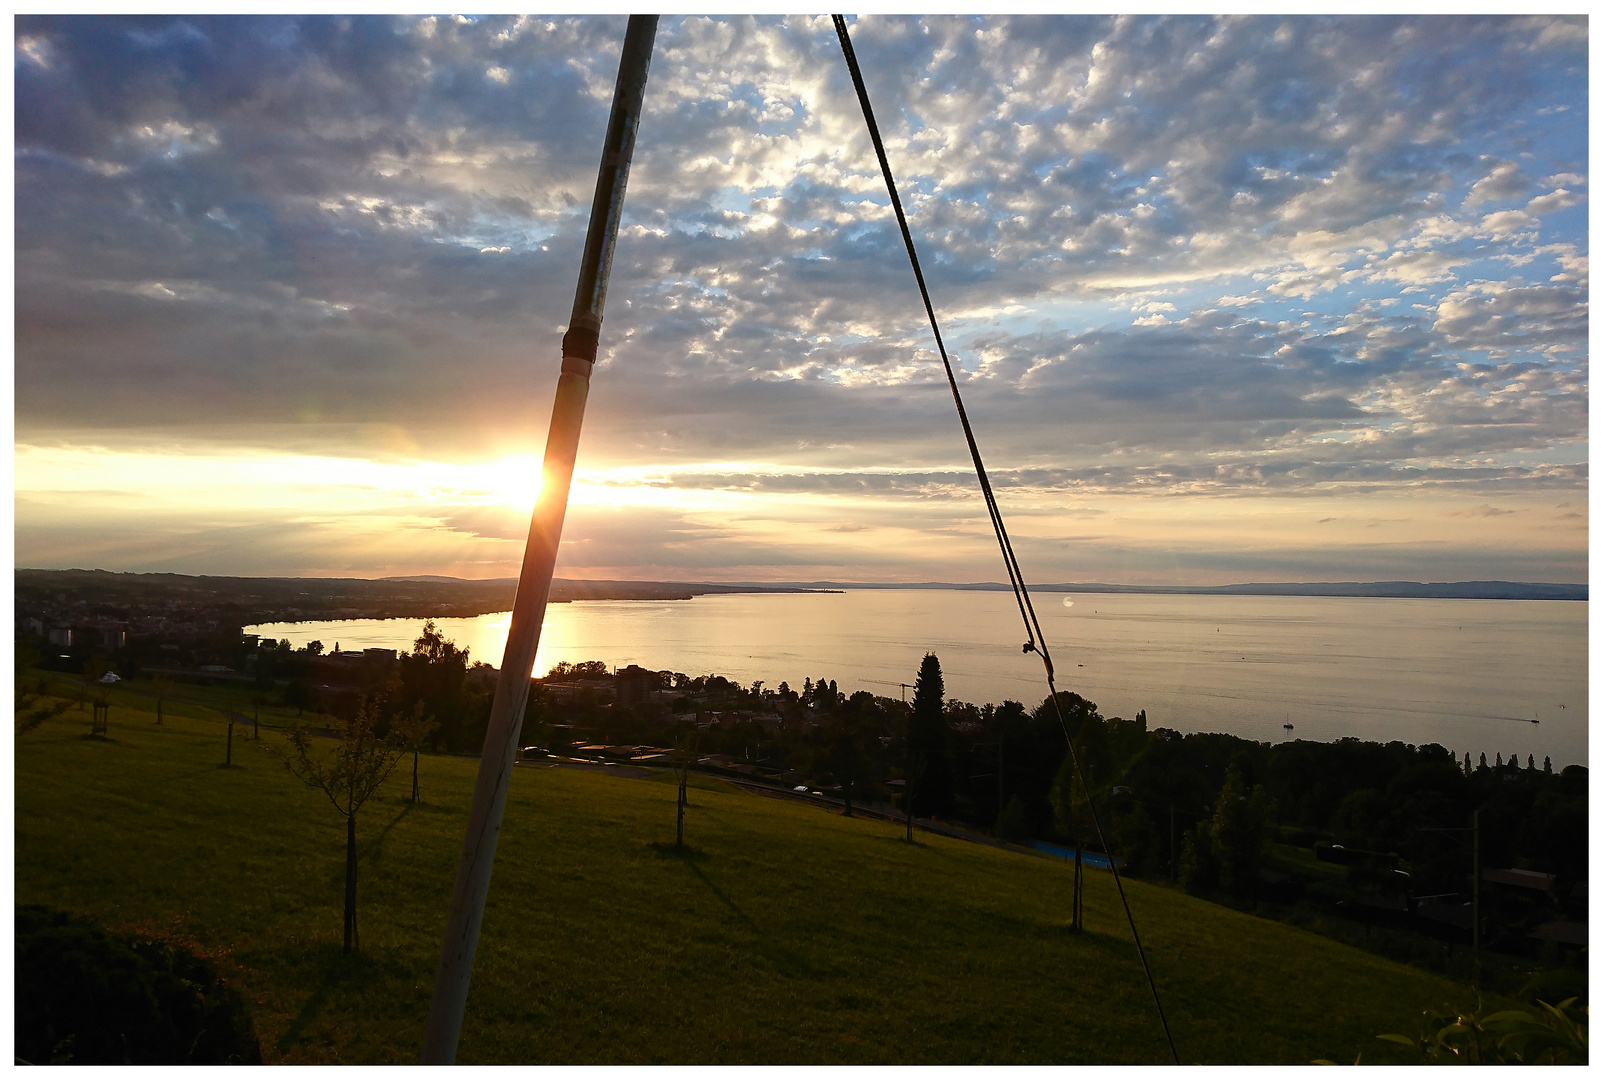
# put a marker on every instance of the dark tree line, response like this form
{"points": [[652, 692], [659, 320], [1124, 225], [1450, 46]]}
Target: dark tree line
{"points": [[436, 676], [1206, 805], [1381, 797], [392, 719]]}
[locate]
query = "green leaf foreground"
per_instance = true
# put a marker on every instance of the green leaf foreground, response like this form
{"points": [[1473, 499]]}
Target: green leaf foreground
{"points": [[1544, 1034]]}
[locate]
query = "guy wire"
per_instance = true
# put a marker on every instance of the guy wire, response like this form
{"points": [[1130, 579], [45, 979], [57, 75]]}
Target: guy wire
{"points": [[1021, 594]]}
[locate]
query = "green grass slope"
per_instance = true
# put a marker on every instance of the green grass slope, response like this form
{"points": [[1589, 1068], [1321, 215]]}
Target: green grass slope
{"points": [[788, 934]]}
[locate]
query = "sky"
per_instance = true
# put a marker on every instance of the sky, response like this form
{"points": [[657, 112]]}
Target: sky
{"points": [[1231, 299]]}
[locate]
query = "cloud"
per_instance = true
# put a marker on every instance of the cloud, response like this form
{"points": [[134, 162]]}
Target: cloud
{"points": [[1505, 181], [490, 522], [1561, 199], [1171, 254], [1497, 316]]}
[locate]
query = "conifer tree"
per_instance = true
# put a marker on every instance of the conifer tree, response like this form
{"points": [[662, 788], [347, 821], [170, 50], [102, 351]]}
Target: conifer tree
{"points": [[930, 779]]}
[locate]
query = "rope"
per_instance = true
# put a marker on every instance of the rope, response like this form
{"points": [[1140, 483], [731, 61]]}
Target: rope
{"points": [[1036, 640]]}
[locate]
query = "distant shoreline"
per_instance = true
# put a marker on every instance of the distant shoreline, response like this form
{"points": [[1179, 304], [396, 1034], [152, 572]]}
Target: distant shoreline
{"points": [[289, 599], [1395, 590]]}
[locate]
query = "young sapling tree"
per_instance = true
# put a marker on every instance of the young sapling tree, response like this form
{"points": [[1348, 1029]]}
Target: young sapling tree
{"points": [[679, 825], [93, 669], [687, 755], [162, 688], [349, 775], [412, 732], [846, 757]]}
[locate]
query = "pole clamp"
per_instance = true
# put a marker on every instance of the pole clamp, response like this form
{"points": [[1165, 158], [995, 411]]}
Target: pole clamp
{"points": [[580, 343]]}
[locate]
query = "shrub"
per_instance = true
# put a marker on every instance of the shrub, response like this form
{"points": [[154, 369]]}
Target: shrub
{"points": [[89, 997], [1199, 869], [1538, 1034], [1014, 822]]}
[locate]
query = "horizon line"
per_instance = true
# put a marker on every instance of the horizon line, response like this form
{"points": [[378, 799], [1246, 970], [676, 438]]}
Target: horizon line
{"points": [[836, 583]]}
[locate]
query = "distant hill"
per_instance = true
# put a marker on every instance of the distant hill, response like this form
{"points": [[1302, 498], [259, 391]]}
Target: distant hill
{"points": [[71, 597], [1440, 590], [567, 589]]}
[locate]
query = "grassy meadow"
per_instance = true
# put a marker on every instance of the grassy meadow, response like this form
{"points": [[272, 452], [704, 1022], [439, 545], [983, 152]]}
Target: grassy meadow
{"points": [[787, 934]]}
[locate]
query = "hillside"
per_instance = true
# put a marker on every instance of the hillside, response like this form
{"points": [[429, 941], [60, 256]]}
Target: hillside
{"points": [[790, 934], [151, 603]]}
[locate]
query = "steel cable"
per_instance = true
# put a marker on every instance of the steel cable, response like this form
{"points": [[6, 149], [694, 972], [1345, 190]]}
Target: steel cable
{"points": [[1036, 641]]}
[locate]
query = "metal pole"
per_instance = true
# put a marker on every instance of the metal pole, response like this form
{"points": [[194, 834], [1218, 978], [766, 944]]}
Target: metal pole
{"points": [[1475, 889], [455, 972], [907, 799], [1000, 806], [1174, 863]]}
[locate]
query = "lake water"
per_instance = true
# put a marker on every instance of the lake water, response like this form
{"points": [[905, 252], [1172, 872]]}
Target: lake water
{"points": [[1468, 674]]}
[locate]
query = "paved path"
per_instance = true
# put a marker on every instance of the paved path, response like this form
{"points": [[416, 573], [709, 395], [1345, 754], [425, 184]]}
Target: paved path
{"points": [[628, 772], [880, 811], [885, 814]]}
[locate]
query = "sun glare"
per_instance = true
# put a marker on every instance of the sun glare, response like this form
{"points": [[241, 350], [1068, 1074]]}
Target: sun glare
{"points": [[308, 482], [514, 481]]}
